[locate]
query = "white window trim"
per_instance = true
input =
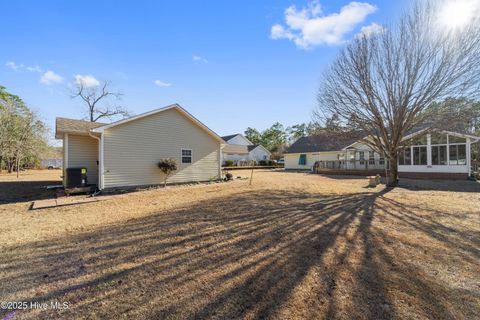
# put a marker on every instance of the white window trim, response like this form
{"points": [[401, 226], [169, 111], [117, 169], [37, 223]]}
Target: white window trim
{"points": [[182, 156], [429, 146]]}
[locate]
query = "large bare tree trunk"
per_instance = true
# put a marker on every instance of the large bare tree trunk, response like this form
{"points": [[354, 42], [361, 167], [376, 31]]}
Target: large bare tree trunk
{"points": [[393, 174]]}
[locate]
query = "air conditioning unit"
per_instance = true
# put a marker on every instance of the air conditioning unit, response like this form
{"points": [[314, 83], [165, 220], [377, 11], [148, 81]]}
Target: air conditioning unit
{"points": [[76, 177]]}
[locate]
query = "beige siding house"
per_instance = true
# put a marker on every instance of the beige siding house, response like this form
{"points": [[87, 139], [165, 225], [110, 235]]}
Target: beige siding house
{"points": [[126, 152], [428, 154]]}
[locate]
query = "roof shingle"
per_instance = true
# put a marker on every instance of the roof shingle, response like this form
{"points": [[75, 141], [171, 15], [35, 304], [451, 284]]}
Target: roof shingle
{"points": [[325, 141], [64, 125], [226, 138]]}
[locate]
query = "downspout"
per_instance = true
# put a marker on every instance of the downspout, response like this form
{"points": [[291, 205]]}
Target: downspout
{"points": [[220, 161], [65, 159], [100, 159]]}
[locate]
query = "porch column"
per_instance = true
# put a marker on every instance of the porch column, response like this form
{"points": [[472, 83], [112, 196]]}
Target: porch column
{"points": [[469, 160], [429, 150]]}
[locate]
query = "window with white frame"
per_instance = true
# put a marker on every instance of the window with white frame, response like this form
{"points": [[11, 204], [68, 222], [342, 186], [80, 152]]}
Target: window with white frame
{"points": [[419, 155], [405, 156], [186, 155], [457, 150], [439, 149], [415, 150], [371, 158], [381, 160], [361, 156]]}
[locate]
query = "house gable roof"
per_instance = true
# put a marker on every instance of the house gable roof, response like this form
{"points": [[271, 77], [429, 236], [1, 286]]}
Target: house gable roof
{"points": [[73, 126], [254, 146], [324, 142], [226, 138], [146, 114], [230, 137], [429, 129]]}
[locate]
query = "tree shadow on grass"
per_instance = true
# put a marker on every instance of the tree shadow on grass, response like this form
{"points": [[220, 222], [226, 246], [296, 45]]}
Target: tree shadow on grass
{"points": [[440, 185], [23, 191], [276, 254]]}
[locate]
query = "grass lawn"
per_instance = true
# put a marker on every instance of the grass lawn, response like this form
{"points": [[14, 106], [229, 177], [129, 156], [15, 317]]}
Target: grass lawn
{"points": [[292, 245]]}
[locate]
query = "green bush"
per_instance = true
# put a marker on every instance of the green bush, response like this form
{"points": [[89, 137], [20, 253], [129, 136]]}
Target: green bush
{"points": [[228, 163], [167, 166]]}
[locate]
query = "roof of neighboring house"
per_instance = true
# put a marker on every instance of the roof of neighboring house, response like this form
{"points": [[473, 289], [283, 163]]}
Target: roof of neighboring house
{"points": [[254, 146], [324, 142], [235, 149], [226, 138], [251, 147], [82, 127]]}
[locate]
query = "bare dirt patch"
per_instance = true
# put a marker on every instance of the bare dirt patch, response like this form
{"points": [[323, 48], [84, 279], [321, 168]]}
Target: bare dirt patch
{"points": [[292, 245]]}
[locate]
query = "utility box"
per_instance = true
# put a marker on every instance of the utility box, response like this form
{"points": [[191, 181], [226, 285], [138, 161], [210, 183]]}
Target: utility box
{"points": [[76, 177]]}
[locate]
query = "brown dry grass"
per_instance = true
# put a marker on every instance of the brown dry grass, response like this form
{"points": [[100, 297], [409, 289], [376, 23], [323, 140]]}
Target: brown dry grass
{"points": [[291, 246]]}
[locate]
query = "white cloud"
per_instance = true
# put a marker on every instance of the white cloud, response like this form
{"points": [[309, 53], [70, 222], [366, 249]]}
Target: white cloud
{"points": [[50, 78], [162, 84], [308, 27], [34, 69], [12, 65], [86, 80], [21, 67], [370, 30], [200, 59]]}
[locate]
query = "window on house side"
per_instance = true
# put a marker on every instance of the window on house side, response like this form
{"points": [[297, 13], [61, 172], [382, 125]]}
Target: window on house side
{"points": [[361, 156], [186, 155], [381, 160], [371, 157]]}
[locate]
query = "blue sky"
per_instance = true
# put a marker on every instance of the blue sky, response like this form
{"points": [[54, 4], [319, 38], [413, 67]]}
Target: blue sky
{"points": [[231, 64]]}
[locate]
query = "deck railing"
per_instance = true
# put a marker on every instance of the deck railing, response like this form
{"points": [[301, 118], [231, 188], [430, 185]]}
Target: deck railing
{"points": [[376, 164]]}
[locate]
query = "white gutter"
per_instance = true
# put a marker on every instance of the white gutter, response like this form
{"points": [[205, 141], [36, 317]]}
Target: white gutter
{"points": [[100, 159], [65, 160]]}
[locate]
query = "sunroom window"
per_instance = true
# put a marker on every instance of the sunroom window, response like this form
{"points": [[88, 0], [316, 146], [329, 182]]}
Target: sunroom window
{"points": [[457, 150], [405, 157], [439, 149], [458, 154], [439, 155], [419, 156]]}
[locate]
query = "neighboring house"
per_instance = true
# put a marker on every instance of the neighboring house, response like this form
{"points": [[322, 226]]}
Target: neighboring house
{"points": [[427, 153], [126, 152], [240, 149]]}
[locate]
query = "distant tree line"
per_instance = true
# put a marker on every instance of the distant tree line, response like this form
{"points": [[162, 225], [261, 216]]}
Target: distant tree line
{"points": [[22, 134], [278, 137]]}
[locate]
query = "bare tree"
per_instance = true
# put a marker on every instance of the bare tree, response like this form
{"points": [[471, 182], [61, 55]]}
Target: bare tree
{"points": [[22, 135], [383, 83], [96, 98]]}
